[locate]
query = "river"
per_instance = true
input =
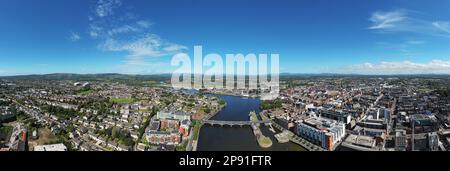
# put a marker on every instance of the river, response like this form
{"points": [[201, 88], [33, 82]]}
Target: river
{"points": [[236, 138]]}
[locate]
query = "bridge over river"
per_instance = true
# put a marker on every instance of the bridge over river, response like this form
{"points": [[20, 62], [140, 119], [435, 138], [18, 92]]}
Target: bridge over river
{"points": [[233, 123]]}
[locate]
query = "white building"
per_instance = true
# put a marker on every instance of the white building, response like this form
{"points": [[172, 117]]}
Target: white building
{"points": [[433, 141], [173, 115], [400, 140], [322, 131], [51, 147]]}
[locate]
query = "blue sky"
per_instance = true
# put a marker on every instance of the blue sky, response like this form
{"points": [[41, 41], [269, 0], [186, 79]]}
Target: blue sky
{"points": [[141, 36]]}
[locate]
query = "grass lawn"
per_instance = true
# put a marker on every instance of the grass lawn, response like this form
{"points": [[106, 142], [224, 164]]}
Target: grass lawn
{"points": [[145, 110], [83, 93], [425, 90], [123, 100]]}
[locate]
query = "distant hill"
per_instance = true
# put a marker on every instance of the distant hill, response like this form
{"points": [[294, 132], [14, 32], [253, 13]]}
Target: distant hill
{"points": [[89, 77]]}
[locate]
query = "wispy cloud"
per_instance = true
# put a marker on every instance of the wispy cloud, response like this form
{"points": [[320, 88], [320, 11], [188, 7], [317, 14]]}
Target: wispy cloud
{"points": [[415, 42], [402, 67], [401, 20], [442, 26], [387, 20], [149, 45], [74, 37], [106, 7], [139, 26], [119, 30]]}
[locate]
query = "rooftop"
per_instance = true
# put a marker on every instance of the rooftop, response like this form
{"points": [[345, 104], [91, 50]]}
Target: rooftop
{"points": [[361, 140], [51, 147], [320, 123]]}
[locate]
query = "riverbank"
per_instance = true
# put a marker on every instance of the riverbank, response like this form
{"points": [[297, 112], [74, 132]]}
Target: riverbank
{"points": [[231, 94], [197, 124], [213, 113]]}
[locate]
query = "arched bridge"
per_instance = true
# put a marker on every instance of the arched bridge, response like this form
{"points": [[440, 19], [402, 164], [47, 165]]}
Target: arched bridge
{"points": [[233, 123]]}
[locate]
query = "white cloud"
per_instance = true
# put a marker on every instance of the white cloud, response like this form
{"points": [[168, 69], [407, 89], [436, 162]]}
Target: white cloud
{"points": [[403, 67], [415, 42], [122, 29], [442, 26], [386, 20], [144, 24], [106, 7], [149, 45], [172, 47], [74, 37], [396, 21], [119, 30], [127, 28], [94, 30]]}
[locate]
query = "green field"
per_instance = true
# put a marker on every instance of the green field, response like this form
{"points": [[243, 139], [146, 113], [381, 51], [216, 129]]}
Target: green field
{"points": [[123, 100], [85, 92]]}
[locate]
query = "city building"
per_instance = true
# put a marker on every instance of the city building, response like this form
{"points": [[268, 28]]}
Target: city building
{"points": [[173, 115], [433, 141], [160, 137], [322, 131], [51, 147], [168, 124], [154, 125], [341, 116], [184, 127], [360, 143], [400, 140]]}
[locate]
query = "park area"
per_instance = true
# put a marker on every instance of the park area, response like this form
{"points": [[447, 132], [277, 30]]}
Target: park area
{"points": [[123, 100], [45, 136]]}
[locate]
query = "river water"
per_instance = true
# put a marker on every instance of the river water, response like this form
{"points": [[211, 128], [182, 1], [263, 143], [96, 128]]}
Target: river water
{"points": [[236, 138]]}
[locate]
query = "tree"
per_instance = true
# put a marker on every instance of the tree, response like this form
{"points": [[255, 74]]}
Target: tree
{"points": [[265, 105], [114, 133], [207, 110], [154, 111]]}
